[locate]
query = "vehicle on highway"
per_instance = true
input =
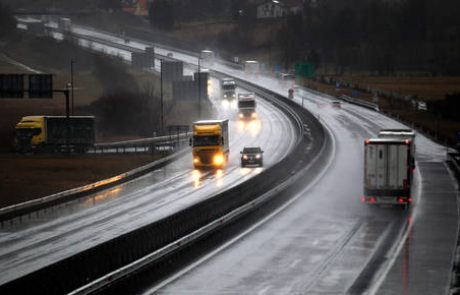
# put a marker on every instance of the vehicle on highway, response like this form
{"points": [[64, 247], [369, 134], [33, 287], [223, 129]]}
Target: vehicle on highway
{"points": [[387, 171], [210, 144], [287, 77], [336, 104], [252, 156], [228, 87], [207, 58], [291, 93], [247, 106], [403, 133], [54, 133], [252, 67]]}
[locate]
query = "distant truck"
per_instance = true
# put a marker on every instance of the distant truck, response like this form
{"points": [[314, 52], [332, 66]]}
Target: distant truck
{"points": [[49, 133], [401, 134], [251, 67], [387, 171], [210, 144], [207, 58], [247, 106], [228, 88], [65, 24]]}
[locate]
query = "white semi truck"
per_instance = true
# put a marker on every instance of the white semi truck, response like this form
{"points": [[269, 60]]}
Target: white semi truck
{"points": [[252, 68], [401, 134], [247, 105], [228, 87], [388, 171]]}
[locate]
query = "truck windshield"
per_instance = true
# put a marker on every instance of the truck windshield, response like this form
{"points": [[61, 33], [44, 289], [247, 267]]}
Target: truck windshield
{"points": [[206, 140], [26, 132], [247, 104], [228, 86]]}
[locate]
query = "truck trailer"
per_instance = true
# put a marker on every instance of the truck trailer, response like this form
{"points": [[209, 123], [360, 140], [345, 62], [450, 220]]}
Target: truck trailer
{"points": [[252, 67], [387, 171], [53, 133], [247, 106], [401, 134], [210, 144]]}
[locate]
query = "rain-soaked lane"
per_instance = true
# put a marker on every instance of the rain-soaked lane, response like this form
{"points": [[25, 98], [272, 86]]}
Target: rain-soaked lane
{"points": [[62, 231]]}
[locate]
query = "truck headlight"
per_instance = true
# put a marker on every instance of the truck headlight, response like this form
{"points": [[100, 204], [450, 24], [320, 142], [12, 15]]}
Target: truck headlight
{"points": [[245, 157], [218, 160], [253, 115], [241, 116], [258, 156], [195, 160]]}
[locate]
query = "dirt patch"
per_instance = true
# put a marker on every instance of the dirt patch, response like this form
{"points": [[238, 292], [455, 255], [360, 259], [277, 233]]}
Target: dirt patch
{"points": [[33, 176]]}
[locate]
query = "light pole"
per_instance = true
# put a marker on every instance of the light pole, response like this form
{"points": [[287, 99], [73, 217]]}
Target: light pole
{"points": [[199, 87], [71, 83], [161, 98]]}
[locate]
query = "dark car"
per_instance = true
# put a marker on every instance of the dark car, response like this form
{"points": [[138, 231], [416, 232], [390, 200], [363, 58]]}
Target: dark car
{"points": [[252, 156]]}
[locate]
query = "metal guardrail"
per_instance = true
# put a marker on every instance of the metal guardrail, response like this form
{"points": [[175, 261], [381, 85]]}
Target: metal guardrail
{"points": [[454, 158], [152, 144], [360, 102]]}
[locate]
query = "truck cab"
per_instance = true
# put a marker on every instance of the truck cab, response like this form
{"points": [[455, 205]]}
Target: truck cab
{"points": [[210, 143], [247, 106], [228, 87]]}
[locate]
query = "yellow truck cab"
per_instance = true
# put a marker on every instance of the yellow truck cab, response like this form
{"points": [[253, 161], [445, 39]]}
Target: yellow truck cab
{"points": [[210, 144], [30, 131]]}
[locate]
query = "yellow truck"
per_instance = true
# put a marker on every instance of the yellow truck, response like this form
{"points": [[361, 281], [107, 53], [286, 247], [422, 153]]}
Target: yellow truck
{"points": [[51, 133], [210, 144]]}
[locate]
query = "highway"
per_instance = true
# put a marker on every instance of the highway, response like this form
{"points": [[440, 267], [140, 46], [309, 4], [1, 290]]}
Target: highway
{"points": [[324, 241]]}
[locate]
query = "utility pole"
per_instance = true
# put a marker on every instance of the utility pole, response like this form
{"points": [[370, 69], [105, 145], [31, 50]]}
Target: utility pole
{"points": [[71, 83], [161, 98], [199, 87]]}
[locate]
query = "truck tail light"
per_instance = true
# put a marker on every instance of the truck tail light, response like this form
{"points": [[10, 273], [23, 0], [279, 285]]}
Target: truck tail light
{"points": [[363, 199], [372, 200]]}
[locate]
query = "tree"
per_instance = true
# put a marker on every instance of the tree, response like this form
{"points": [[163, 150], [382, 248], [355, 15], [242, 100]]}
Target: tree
{"points": [[7, 22], [161, 14]]}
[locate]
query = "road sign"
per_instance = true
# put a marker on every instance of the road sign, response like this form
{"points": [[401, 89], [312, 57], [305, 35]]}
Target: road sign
{"points": [[305, 69], [12, 85], [40, 86]]}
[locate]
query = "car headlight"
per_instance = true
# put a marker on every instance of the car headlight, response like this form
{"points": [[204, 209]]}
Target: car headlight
{"points": [[218, 160]]}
